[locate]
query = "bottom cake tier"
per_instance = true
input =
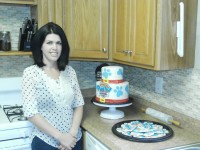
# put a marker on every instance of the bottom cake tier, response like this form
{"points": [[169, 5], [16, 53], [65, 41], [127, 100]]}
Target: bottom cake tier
{"points": [[112, 93]]}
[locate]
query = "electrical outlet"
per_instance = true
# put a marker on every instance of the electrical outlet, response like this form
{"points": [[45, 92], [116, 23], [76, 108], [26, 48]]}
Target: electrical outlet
{"points": [[159, 85]]}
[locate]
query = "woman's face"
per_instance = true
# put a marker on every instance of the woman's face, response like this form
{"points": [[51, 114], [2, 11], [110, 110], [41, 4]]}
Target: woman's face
{"points": [[51, 48]]}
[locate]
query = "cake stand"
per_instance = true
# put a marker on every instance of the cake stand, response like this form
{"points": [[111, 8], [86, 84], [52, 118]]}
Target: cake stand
{"points": [[112, 112]]}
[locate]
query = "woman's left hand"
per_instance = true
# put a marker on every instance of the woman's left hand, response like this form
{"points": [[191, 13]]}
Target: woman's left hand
{"points": [[67, 142]]}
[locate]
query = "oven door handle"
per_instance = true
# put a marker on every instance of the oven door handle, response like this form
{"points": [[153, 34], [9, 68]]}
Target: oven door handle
{"points": [[24, 147], [16, 144], [23, 134]]}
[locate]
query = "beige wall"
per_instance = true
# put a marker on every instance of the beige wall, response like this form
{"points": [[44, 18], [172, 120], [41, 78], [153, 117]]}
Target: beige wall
{"points": [[197, 55]]}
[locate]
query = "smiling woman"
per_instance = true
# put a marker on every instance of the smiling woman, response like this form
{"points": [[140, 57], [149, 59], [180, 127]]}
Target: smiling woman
{"points": [[53, 38], [52, 99], [51, 48]]}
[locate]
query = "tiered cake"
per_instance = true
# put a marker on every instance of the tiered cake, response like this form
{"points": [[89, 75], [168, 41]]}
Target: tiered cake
{"points": [[112, 89]]}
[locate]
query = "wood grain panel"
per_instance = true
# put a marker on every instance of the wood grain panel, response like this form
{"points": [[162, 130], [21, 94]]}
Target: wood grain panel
{"points": [[120, 29], [50, 10], [144, 32], [86, 25], [28, 2], [121, 25], [168, 58], [14, 53], [133, 28]]}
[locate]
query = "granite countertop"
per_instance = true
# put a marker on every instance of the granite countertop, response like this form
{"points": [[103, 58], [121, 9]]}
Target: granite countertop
{"points": [[100, 128]]}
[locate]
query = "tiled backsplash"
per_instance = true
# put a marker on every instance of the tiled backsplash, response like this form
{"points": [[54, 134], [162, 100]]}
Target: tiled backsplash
{"points": [[180, 91], [181, 87]]}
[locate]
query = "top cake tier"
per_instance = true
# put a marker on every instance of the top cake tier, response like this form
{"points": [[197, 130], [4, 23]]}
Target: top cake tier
{"points": [[112, 74]]}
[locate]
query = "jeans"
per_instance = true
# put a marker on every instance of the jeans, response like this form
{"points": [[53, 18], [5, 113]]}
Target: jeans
{"points": [[38, 144]]}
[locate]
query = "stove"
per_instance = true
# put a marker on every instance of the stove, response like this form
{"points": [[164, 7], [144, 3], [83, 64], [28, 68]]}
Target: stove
{"points": [[15, 130], [14, 113]]}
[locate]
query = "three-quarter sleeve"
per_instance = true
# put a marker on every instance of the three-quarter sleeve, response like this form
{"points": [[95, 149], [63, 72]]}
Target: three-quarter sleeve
{"points": [[29, 93], [78, 97]]}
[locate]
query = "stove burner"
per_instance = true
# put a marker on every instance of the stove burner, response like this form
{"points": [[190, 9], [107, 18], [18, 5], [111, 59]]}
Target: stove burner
{"points": [[14, 113], [22, 118], [17, 111]]}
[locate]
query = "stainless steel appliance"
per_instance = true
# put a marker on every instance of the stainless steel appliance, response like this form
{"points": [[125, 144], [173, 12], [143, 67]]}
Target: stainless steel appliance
{"points": [[5, 41], [15, 130]]}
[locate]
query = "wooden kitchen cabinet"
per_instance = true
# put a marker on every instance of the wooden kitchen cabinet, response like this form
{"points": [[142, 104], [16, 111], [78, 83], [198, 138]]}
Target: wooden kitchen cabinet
{"points": [[49, 10], [143, 33], [86, 25], [133, 31], [139, 33], [29, 2]]}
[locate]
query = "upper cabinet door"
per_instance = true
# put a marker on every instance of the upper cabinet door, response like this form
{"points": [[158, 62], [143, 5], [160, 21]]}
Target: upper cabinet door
{"points": [[133, 26], [49, 11], [86, 25], [169, 13]]}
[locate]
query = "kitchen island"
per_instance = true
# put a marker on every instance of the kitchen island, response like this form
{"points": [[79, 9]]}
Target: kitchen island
{"points": [[100, 128]]}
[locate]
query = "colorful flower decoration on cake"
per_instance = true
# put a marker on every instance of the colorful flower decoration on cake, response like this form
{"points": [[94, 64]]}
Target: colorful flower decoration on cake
{"points": [[127, 89], [106, 73], [120, 72], [118, 91]]}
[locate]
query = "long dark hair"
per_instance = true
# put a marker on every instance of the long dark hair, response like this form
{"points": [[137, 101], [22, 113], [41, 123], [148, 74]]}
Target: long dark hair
{"points": [[38, 39]]}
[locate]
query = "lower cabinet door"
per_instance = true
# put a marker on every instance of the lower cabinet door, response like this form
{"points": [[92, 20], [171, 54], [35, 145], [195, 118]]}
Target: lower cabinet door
{"points": [[91, 143]]}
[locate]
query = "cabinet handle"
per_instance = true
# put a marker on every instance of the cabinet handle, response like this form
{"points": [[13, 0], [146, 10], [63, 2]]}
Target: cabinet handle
{"points": [[180, 32], [104, 50], [127, 52]]}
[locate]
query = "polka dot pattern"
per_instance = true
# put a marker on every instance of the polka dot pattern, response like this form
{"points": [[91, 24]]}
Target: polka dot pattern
{"points": [[53, 99]]}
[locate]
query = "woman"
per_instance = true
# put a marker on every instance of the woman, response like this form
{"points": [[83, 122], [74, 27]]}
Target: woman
{"points": [[52, 99]]}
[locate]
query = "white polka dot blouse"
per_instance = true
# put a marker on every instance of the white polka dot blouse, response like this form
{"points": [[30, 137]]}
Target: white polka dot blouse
{"points": [[52, 99]]}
